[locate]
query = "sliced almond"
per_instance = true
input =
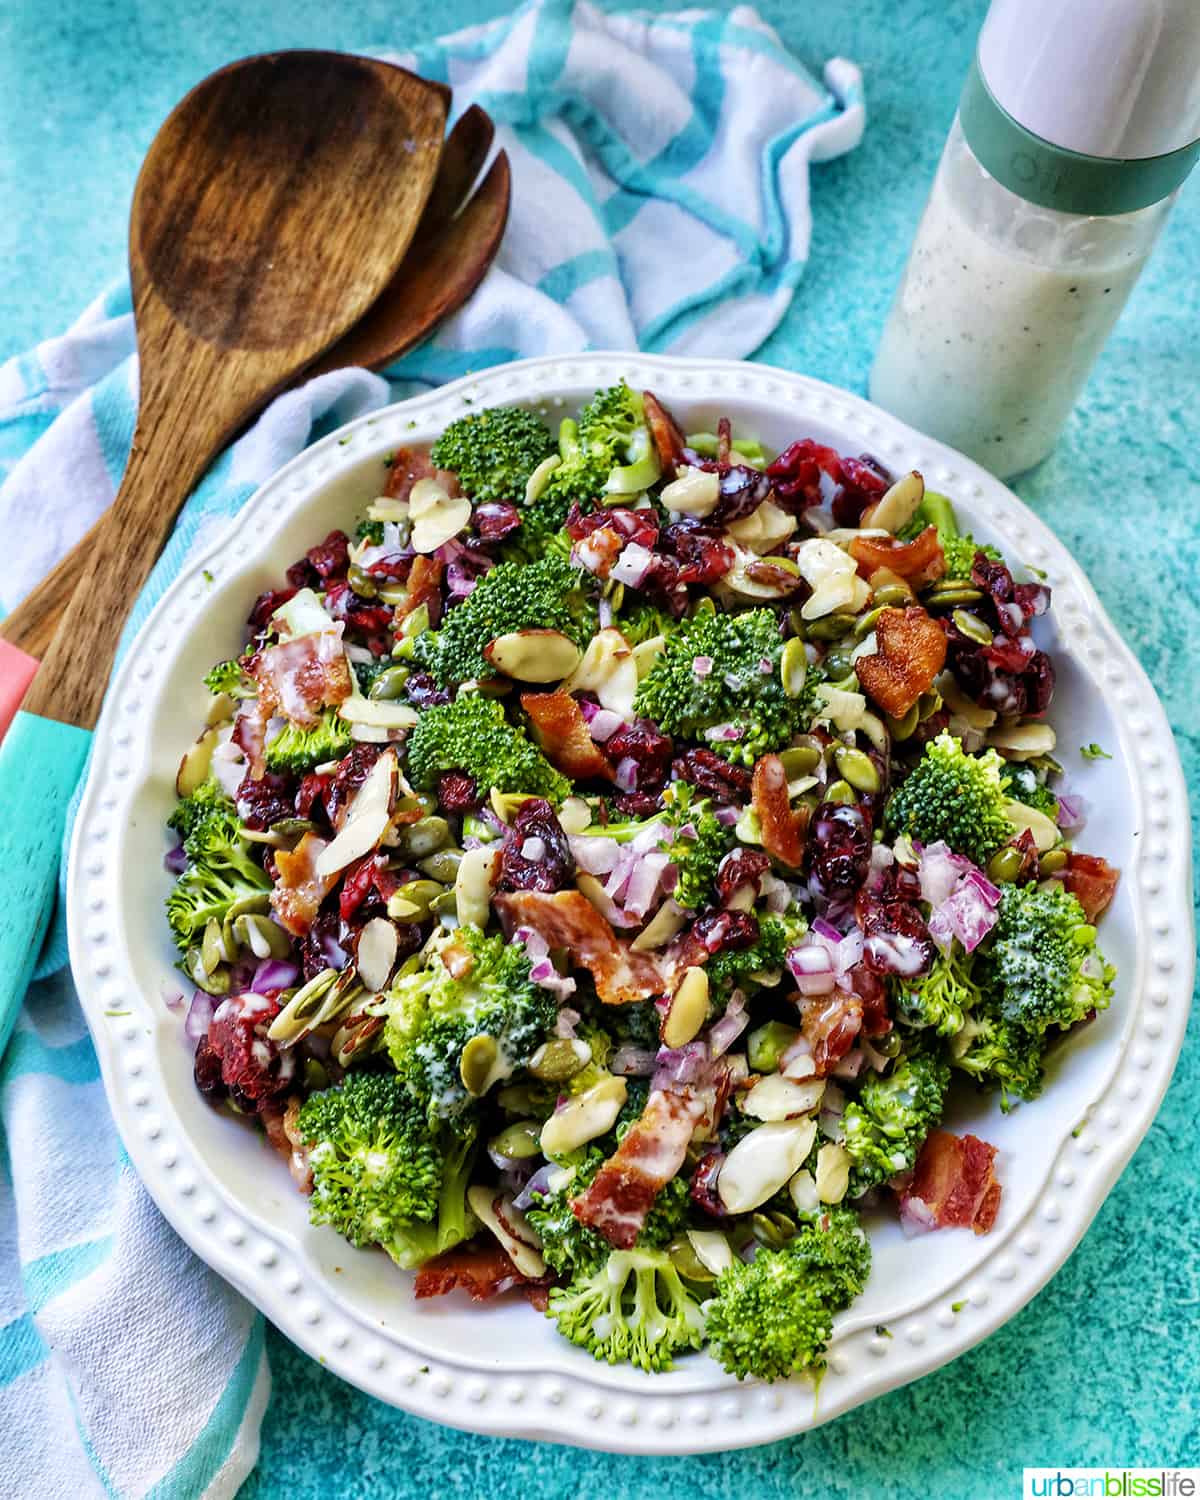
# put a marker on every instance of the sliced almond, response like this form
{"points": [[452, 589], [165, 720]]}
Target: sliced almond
{"points": [[574, 815], [194, 767], [713, 1250], [646, 653], [898, 505], [607, 669], [961, 706], [761, 1162], [377, 713], [584, 1118], [436, 515], [387, 508], [367, 819], [375, 953], [775, 1097], [833, 1172], [1023, 741], [695, 493], [803, 1192], [540, 477], [1044, 829], [473, 885], [534, 655], [668, 920], [688, 1010], [483, 1201], [765, 527]]}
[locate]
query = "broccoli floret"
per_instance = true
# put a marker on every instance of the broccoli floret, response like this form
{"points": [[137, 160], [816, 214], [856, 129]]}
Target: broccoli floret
{"points": [[471, 734], [1000, 1054], [941, 999], [886, 1125], [221, 870], [1021, 784], [370, 531], [764, 959], [1041, 966], [569, 1246], [367, 671], [634, 1307], [959, 550], [546, 594], [229, 677], [774, 1316], [381, 1175], [432, 1015], [638, 1024], [638, 620], [953, 796], [609, 452], [739, 685], [699, 845], [494, 452], [297, 751]]}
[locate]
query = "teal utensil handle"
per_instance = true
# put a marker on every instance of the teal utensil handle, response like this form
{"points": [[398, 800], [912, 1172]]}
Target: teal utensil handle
{"points": [[40, 765]]}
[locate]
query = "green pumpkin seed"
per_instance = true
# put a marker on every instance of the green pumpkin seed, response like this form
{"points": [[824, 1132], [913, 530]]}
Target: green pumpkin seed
{"points": [[793, 667], [902, 729], [685, 1260], [831, 627], [783, 1222], [389, 685], [838, 665], [262, 936], [614, 591], [476, 1064], [840, 791], [864, 625], [425, 837], [928, 704], [972, 627], [412, 901], [890, 1044], [212, 950], [1046, 764], [445, 905], [1052, 861], [1005, 865], [560, 1059], [767, 1232], [518, 1141], [361, 581], [952, 597], [517, 1099], [893, 595], [704, 606], [857, 768], [441, 866], [315, 1076], [215, 982], [767, 1044], [799, 760], [392, 591]]}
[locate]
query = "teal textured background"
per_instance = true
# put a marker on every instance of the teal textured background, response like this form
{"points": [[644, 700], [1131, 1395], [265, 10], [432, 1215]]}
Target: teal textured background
{"points": [[1102, 1367]]}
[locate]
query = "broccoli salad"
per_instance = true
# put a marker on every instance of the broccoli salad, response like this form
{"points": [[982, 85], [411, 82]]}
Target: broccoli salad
{"points": [[599, 870]]}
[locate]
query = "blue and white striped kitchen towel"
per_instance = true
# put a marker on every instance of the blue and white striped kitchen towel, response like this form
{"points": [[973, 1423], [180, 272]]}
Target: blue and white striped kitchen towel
{"points": [[660, 201]]}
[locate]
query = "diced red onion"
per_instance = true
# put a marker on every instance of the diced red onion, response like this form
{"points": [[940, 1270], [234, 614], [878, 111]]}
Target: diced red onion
{"points": [[274, 974], [626, 775], [643, 883], [816, 984], [603, 724], [200, 1013], [1072, 812], [172, 997], [533, 849], [702, 666], [989, 893], [726, 1031], [594, 854], [823, 929], [604, 614], [632, 1062], [723, 732], [916, 1217], [939, 872], [809, 958], [566, 1022], [537, 1185], [678, 1067], [632, 565], [727, 816], [175, 860]]}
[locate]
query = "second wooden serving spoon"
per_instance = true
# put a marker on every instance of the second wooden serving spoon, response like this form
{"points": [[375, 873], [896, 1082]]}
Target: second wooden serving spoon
{"points": [[268, 216], [455, 243]]}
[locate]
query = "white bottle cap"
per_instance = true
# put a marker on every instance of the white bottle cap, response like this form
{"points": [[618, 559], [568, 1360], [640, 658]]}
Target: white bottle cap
{"points": [[1107, 78]]}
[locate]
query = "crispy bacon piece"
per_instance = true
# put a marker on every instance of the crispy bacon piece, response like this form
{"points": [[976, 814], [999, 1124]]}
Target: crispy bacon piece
{"points": [[918, 562], [567, 919], [299, 890], [911, 651], [623, 1191], [424, 587], [782, 827], [410, 464], [664, 429], [303, 676], [562, 733], [1092, 881], [250, 734], [830, 1025], [481, 1268], [953, 1185], [279, 1122]]}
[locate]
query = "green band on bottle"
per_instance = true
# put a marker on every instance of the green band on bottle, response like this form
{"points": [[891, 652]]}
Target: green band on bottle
{"points": [[1054, 177]]}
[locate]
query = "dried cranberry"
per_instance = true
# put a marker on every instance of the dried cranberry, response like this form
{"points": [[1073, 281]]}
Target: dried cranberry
{"points": [[363, 615], [839, 850], [302, 575], [268, 800], [457, 791], [535, 855], [724, 931], [312, 790], [703, 1187], [350, 774], [328, 559], [366, 887], [896, 939], [496, 519], [796, 474], [712, 773], [206, 1070], [266, 605], [741, 491], [252, 1066], [638, 526], [873, 993], [701, 549], [930, 727], [321, 946], [1039, 683], [641, 753], [863, 482], [740, 868], [422, 690], [636, 804]]}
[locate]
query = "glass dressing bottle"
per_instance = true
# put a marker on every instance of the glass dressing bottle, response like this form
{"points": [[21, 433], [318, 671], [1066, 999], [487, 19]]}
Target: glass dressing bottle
{"points": [[1077, 125]]}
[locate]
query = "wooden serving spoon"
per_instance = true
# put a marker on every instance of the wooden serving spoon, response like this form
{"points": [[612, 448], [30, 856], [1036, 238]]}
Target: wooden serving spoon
{"points": [[275, 204], [445, 263]]}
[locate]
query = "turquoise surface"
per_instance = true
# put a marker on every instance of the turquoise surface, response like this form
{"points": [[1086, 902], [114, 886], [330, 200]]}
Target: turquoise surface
{"points": [[1101, 1368]]}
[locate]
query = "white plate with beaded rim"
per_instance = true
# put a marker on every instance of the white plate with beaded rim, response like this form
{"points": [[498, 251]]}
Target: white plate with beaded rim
{"points": [[502, 1369]]}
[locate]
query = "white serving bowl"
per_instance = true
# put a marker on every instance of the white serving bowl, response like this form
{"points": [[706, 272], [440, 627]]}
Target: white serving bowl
{"points": [[502, 1369]]}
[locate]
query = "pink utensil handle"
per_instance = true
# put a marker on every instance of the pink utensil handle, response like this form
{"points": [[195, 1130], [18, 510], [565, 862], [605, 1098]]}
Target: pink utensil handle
{"points": [[16, 673]]}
